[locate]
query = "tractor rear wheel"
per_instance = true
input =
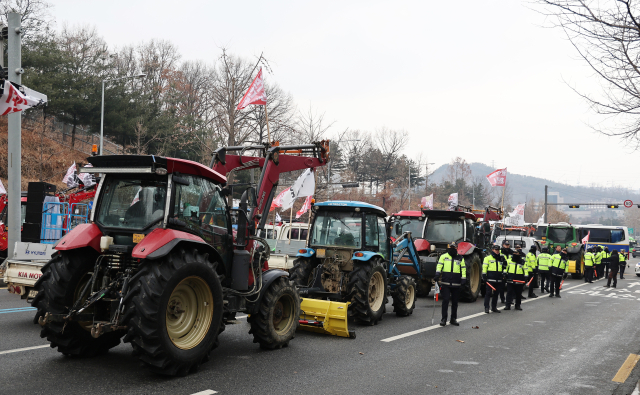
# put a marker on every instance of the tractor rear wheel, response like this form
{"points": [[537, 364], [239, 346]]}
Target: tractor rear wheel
{"points": [[174, 312], [404, 296], [471, 289], [62, 281], [278, 315], [302, 272], [367, 290]]}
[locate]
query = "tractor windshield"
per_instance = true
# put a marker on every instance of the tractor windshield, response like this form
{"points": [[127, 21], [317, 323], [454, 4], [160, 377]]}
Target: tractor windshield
{"points": [[413, 225], [342, 229], [132, 203], [443, 230], [560, 235]]}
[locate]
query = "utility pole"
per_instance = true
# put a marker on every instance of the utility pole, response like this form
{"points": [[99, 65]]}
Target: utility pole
{"points": [[14, 144], [409, 187], [546, 189]]}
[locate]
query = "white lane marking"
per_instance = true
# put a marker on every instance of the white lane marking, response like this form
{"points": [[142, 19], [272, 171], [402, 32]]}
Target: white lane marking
{"points": [[445, 371], [205, 392], [541, 322], [466, 362], [23, 349], [432, 327]]}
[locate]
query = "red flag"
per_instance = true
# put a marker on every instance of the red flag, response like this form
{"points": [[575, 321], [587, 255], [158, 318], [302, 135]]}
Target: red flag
{"points": [[498, 178], [277, 202], [255, 94], [585, 239], [305, 207]]}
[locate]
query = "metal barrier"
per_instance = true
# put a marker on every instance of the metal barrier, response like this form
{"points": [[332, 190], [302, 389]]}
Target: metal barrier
{"points": [[79, 214]]}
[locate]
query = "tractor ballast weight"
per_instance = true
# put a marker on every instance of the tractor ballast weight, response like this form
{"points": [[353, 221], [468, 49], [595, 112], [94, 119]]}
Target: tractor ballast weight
{"points": [[158, 263]]}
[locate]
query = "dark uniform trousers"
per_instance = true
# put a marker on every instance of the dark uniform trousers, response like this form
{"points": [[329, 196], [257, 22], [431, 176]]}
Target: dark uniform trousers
{"points": [[613, 274], [588, 273], [517, 289], [556, 280], [544, 276], [450, 294], [622, 265], [492, 295]]}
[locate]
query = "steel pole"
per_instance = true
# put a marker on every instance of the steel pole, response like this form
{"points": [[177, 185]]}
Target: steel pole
{"points": [[102, 120], [14, 143], [546, 218]]}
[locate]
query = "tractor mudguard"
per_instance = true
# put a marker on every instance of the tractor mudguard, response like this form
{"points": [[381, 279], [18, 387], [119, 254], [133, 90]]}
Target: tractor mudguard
{"points": [[268, 277], [83, 235], [160, 242], [421, 245], [366, 255], [310, 252], [465, 248]]}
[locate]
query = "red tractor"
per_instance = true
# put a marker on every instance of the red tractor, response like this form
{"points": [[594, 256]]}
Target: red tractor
{"points": [[158, 264], [432, 231]]}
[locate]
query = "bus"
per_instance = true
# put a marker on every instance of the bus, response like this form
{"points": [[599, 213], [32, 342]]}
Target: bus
{"points": [[612, 237]]}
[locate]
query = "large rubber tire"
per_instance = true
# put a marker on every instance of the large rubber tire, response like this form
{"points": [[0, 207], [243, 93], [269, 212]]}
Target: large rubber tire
{"points": [[471, 289], [277, 319], [161, 299], [404, 296], [58, 288], [424, 287], [580, 258], [367, 292], [302, 272]]}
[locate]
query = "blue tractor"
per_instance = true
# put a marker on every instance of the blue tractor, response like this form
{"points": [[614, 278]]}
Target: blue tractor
{"points": [[349, 258]]}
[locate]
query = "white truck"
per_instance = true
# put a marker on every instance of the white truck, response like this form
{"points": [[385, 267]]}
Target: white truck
{"points": [[22, 270], [525, 242], [285, 240]]}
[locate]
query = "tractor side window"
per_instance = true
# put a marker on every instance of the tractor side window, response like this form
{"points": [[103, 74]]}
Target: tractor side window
{"points": [[382, 237], [200, 205], [371, 230], [470, 231]]}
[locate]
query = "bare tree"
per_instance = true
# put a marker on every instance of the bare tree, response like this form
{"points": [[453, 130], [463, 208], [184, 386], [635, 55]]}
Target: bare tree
{"points": [[281, 110], [607, 36], [312, 125], [36, 19]]}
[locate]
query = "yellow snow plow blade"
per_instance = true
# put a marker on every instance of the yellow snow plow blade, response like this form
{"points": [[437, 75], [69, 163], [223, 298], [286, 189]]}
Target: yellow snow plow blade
{"points": [[571, 267], [323, 316]]}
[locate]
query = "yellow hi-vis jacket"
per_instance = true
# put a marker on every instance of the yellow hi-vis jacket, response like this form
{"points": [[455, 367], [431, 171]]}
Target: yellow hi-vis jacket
{"points": [[544, 262], [589, 259]]}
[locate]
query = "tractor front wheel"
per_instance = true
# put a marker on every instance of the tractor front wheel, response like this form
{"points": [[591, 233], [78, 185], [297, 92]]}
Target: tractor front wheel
{"points": [[471, 289], [277, 318], [302, 272], [404, 296], [61, 284], [174, 312], [367, 285]]}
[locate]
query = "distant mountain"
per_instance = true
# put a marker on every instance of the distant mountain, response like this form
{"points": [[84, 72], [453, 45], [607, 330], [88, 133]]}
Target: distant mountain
{"points": [[527, 187]]}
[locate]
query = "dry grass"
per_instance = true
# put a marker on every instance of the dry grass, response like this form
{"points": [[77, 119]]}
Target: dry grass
{"points": [[56, 158]]}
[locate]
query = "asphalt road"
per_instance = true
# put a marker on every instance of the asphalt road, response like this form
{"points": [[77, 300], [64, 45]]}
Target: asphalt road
{"points": [[572, 345]]}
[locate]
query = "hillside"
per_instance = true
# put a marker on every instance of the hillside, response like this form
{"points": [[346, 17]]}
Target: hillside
{"points": [[56, 157], [526, 187]]}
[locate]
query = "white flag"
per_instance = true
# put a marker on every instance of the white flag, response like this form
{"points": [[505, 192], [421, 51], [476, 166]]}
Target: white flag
{"points": [[278, 218], [453, 201], [541, 220], [516, 218], [70, 176], [427, 202], [2, 190], [87, 178], [136, 198], [304, 186], [12, 100]]}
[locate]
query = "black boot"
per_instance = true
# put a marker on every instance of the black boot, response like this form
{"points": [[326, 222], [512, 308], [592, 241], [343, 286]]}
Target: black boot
{"points": [[522, 297], [486, 310], [558, 296], [518, 308], [496, 310], [533, 296], [551, 295], [508, 307], [443, 322], [454, 322]]}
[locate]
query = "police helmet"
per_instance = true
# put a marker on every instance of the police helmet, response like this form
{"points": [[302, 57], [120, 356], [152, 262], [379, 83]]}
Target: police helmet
{"points": [[545, 249]]}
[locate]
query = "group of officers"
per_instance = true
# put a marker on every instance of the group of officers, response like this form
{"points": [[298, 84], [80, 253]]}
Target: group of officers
{"points": [[512, 269]]}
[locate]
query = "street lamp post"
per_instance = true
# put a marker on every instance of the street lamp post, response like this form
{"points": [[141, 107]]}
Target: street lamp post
{"points": [[102, 107]]}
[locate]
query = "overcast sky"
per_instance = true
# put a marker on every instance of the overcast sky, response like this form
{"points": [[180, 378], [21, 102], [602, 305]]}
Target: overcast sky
{"points": [[483, 80]]}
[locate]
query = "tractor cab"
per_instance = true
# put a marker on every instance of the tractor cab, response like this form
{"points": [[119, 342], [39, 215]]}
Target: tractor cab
{"points": [[407, 221]]}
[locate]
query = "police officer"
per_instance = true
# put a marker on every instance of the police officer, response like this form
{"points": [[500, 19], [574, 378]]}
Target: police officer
{"points": [[589, 265], [518, 246], [614, 265], [506, 254], [606, 260], [492, 276], [516, 275], [558, 266], [598, 256], [544, 267], [531, 261], [454, 275], [623, 263]]}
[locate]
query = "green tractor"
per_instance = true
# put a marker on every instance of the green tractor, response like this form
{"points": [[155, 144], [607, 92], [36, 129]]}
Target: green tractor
{"points": [[565, 235]]}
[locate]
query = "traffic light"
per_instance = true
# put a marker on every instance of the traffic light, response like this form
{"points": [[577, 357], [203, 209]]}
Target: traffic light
{"points": [[612, 206], [574, 206]]}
